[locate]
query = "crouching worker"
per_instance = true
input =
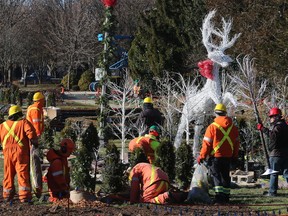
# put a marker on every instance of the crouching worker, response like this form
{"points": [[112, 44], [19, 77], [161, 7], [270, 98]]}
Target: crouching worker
{"points": [[58, 177], [150, 184]]}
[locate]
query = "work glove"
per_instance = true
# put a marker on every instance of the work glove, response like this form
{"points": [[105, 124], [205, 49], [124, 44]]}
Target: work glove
{"points": [[260, 127], [199, 160]]}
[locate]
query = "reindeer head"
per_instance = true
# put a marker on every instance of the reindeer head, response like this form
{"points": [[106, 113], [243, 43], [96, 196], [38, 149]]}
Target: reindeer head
{"points": [[216, 40]]}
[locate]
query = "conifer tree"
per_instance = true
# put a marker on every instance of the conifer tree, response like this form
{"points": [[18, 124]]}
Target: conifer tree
{"points": [[84, 157], [137, 156], [184, 164], [165, 158], [169, 38], [113, 179]]}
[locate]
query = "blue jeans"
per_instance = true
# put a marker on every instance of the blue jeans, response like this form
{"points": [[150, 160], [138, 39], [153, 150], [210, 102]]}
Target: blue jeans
{"points": [[278, 164]]}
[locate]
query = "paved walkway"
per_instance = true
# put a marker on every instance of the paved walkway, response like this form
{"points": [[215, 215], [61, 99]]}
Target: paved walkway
{"points": [[83, 97]]}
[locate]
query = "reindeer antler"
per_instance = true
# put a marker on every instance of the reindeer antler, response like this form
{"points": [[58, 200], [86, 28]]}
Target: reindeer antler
{"points": [[208, 30]]}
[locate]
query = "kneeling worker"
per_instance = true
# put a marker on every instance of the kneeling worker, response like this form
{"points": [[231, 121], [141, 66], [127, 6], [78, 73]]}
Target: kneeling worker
{"points": [[58, 177], [150, 184]]}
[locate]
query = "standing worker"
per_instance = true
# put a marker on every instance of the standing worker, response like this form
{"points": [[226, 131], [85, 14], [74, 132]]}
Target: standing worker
{"points": [[150, 115], [221, 146], [149, 143], [16, 133], [62, 92], [58, 176], [136, 88], [277, 147], [35, 115]]}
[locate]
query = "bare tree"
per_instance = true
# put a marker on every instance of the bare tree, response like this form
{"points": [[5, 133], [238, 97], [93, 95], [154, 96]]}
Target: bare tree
{"points": [[170, 100], [70, 32], [248, 90], [13, 16], [121, 123]]}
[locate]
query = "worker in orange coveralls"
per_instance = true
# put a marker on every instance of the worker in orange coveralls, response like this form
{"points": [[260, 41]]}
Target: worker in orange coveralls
{"points": [[221, 145], [36, 116], [16, 134], [150, 184], [35, 113], [58, 177], [149, 143]]}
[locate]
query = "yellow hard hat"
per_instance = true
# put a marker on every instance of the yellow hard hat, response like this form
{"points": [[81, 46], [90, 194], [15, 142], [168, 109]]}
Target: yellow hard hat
{"points": [[220, 107], [38, 96], [148, 100], [14, 109]]}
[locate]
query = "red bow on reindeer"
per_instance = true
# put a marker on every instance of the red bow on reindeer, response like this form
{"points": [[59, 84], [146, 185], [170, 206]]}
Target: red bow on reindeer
{"points": [[109, 3], [206, 68]]}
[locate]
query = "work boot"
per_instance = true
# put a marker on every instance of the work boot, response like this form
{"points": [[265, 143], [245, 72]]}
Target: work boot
{"points": [[38, 192], [220, 199], [26, 201], [177, 197]]}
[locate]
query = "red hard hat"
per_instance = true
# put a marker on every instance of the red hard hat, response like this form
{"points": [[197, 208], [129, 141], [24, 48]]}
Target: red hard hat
{"points": [[67, 146], [275, 111]]}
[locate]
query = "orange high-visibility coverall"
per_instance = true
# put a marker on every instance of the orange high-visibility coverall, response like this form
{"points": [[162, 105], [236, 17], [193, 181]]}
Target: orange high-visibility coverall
{"points": [[35, 115], [215, 144], [221, 143], [58, 177], [148, 184], [15, 136], [149, 143]]}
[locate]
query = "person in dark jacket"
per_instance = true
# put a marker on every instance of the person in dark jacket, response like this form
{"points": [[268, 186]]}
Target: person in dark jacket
{"points": [[277, 147], [150, 115]]}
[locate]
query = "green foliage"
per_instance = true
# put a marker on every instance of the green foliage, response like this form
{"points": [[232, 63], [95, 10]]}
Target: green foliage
{"points": [[165, 158], [68, 131], [184, 164], [105, 60], [75, 88], [73, 79], [10, 95], [51, 99], [84, 156], [113, 179], [137, 156], [167, 37], [47, 138], [86, 78], [29, 98]]}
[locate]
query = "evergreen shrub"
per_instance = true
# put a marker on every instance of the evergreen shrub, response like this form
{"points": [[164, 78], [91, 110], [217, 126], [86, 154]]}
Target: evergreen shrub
{"points": [[165, 158], [86, 78], [184, 165]]}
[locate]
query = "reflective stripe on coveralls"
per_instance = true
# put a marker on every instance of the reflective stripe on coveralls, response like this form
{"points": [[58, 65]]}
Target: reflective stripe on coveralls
{"points": [[161, 185], [60, 172], [225, 137], [11, 133], [36, 120], [153, 146], [221, 189]]}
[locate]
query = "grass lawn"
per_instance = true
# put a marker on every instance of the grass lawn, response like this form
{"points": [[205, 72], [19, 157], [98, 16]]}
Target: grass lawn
{"points": [[255, 198]]}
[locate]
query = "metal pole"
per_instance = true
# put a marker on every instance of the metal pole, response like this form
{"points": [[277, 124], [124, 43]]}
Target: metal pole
{"points": [[261, 135], [103, 89]]}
